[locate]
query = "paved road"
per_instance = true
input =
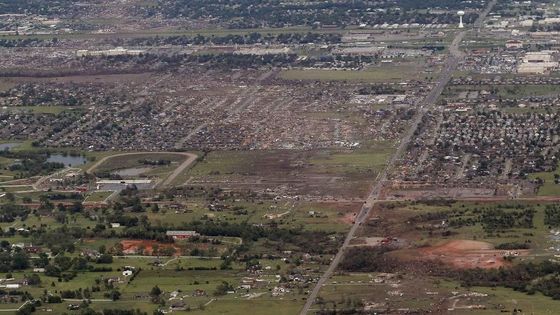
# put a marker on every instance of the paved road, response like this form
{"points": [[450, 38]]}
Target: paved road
{"points": [[427, 103], [186, 164], [191, 157]]}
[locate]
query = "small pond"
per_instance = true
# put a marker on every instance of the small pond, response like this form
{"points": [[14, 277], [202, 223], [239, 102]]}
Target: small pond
{"points": [[67, 160], [135, 171]]}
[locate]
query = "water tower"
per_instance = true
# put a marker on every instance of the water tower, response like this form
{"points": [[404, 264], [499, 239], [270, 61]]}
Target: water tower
{"points": [[460, 14]]}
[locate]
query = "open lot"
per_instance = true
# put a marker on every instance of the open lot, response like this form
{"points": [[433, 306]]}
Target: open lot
{"points": [[382, 73], [337, 173]]}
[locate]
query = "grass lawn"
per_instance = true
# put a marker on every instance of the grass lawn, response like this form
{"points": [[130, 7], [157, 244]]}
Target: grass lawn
{"points": [[254, 306], [549, 188], [6, 174], [349, 162], [11, 188], [324, 218], [510, 299], [133, 161], [224, 162], [98, 196]]}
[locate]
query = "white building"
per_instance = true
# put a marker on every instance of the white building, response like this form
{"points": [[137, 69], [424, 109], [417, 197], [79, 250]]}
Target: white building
{"points": [[119, 51]]}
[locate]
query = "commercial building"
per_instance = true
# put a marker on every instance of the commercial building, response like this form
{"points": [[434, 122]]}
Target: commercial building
{"points": [[181, 234], [119, 51]]}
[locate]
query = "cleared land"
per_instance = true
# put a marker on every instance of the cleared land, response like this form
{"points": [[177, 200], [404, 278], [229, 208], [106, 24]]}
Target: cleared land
{"points": [[383, 73]]}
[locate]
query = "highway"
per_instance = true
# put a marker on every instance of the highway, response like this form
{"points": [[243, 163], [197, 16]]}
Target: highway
{"points": [[455, 55]]}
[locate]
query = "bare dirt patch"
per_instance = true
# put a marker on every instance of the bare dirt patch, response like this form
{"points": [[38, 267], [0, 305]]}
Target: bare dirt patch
{"points": [[466, 254], [349, 218], [145, 247]]}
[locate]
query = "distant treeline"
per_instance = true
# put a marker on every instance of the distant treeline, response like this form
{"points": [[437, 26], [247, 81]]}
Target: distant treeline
{"points": [[27, 42], [231, 39]]}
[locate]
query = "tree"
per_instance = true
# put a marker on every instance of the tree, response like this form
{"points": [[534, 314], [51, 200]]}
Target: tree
{"points": [[20, 260], [105, 259], [33, 279], [46, 204], [114, 294], [155, 208], [52, 271], [167, 251], [223, 288], [42, 261], [77, 207], [80, 263], [5, 262], [156, 291], [10, 197], [63, 262]]}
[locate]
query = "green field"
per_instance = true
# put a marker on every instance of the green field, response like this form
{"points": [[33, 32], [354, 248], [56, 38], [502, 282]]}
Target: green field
{"points": [[133, 161], [549, 188], [98, 196], [361, 161]]}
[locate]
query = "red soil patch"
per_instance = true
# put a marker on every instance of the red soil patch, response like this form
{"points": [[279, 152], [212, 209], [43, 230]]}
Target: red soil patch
{"points": [[134, 247], [467, 254], [349, 218]]}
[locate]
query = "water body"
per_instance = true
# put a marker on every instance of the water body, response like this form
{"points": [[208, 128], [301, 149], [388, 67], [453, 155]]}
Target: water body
{"points": [[135, 171], [8, 146], [67, 160]]}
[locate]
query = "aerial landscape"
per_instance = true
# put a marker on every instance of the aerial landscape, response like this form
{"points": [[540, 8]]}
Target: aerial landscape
{"points": [[279, 157]]}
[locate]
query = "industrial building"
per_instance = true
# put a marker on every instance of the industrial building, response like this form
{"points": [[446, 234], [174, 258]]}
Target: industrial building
{"points": [[119, 51]]}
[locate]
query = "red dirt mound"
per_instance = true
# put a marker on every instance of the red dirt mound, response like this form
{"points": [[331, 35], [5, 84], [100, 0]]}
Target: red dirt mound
{"points": [[467, 254], [145, 247]]}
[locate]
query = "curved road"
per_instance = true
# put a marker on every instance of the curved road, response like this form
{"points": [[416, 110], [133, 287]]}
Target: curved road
{"points": [[191, 157], [426, 104]]}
